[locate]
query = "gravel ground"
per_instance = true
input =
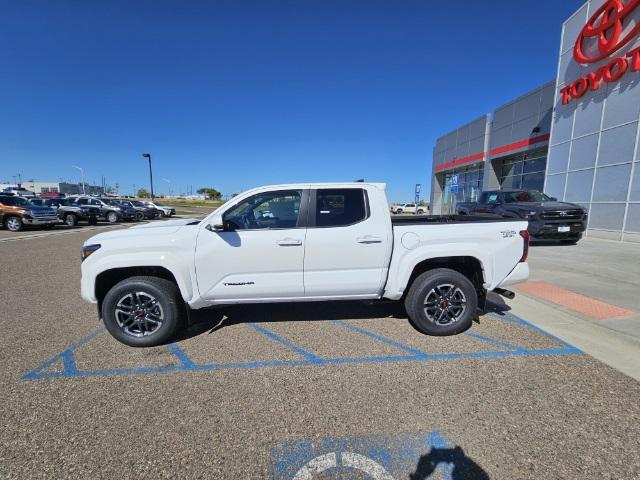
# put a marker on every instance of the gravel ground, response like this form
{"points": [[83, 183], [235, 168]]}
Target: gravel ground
{"points": [[551, 417]]}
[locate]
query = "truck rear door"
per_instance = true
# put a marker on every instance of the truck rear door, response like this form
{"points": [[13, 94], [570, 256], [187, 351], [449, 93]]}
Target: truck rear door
{"points": [[348, 244]]}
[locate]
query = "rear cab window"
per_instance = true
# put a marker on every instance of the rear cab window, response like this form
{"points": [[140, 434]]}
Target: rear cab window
{"points": [[339, 207]]}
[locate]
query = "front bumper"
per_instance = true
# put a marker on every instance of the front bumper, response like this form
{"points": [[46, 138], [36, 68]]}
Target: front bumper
{"points": [[552, 229], [40, 220]]}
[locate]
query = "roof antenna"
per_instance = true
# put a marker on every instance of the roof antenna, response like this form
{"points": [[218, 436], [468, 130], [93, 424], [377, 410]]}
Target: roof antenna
{"points": [[360, 180]]}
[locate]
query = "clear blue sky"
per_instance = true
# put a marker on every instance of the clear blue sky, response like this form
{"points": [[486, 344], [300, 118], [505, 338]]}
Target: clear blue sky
{"points": [[235, 94]]}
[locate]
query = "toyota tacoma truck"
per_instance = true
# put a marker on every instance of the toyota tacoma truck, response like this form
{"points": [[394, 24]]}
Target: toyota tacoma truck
{"points": [[548, 219], [16, 212], [302, 242]]}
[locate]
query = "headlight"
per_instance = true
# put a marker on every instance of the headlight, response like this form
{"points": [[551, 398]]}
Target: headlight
{"points": [[88, 250]]}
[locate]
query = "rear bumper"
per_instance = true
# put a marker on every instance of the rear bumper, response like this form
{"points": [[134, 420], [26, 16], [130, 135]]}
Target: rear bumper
{"points": [[519, 274]]}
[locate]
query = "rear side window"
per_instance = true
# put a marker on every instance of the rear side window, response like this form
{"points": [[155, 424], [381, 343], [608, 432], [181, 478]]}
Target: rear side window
{"points": [[340, 206]]}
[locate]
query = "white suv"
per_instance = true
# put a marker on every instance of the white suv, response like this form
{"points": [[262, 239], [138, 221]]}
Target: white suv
{"points": [[408, 208]]}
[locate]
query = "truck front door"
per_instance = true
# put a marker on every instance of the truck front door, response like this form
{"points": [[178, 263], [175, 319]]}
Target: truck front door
{"points": [[260, 253], [487, 203]]}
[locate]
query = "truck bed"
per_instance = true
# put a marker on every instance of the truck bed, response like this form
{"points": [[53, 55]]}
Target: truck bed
{"points": [[445, 219]]}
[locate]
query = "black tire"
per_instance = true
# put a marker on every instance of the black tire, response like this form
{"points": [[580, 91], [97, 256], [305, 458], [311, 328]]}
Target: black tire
{"points": [[112, 217], [93, 221], [13, 223], [162, 214], [168, 297], [420, 212], [139, 217], [399, 211], [425, 287], [70, 220]]}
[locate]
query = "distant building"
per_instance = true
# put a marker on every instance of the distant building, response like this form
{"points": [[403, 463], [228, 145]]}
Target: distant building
{"points": [[76, 189], [57, 187]]}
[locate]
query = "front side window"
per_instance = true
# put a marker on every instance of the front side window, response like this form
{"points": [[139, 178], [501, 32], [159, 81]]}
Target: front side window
{"points": [[279, 209], [338, 207]]}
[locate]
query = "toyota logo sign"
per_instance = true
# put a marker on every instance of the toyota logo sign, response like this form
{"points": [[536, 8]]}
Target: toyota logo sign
{"points": [[604, 31], [609, 29]]}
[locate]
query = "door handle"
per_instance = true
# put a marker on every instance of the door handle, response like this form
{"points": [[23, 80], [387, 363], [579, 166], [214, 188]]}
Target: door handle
{"points": [[367, 239], [289, 242]]}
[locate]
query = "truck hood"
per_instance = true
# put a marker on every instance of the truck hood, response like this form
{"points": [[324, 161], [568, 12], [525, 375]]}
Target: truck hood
{"points": [[170, 224], [547, 205], [147, 229]]}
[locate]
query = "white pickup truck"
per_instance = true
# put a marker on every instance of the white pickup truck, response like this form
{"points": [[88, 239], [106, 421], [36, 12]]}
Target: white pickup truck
{"points": [[303, 242]]}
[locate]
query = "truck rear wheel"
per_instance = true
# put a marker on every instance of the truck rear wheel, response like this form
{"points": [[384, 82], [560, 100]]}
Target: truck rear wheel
{"points": [[442, 302], [143, 311]]}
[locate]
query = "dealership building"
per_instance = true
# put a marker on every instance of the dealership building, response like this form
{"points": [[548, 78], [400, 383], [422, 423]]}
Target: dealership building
{"points": [[575, 138]]}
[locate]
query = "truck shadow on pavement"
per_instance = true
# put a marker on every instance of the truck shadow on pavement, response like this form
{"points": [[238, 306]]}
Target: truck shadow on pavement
{"points": [[211, 320], [454, 460], [208, 321]]}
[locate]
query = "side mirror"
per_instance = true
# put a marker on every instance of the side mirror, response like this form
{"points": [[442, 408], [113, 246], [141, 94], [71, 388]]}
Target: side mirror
{"points": [[216, 225]]}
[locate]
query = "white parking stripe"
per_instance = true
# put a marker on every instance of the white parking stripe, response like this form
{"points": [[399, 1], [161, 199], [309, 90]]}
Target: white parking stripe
{"points": [[54, 233]]}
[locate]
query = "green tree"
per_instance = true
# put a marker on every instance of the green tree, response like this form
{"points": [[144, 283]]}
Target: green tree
{"points": [[143, 193], [210, 193]]}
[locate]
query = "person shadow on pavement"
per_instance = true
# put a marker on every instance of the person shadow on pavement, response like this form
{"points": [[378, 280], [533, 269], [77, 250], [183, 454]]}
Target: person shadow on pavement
{"points": [[462, 467]]}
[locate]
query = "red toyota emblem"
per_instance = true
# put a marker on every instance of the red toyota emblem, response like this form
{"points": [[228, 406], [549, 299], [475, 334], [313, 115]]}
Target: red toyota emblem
{"points": [[606, 26]]}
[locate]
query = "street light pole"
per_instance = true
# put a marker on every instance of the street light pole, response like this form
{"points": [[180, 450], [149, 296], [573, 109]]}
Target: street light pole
{"points": [[148, 155], [82, 173]]}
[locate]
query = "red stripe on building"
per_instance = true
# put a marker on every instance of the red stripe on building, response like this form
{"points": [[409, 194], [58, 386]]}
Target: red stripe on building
{"points": [[461, 161], [495, 151], [520, 144]]}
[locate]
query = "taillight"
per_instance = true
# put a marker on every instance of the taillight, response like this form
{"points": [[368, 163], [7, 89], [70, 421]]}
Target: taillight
{"points": [[525, 248]]}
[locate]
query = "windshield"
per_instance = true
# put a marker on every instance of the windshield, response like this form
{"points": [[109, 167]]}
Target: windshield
{"points": [[15, 201], [138, 204], [531, 196]]}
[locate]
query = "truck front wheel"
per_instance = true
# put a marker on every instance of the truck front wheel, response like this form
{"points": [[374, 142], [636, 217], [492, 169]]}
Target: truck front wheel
{"points": [[143, 311], [442, 302]]}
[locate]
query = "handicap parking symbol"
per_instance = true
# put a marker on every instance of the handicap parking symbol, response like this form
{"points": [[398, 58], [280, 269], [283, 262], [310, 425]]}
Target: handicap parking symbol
{"points": [[418, 456]]}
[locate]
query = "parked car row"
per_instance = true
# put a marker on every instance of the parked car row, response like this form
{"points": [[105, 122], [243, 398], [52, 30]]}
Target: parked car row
{"points": [[16, 212]]}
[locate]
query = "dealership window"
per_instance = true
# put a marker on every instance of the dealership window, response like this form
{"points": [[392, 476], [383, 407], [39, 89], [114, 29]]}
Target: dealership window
{"points": [[469, 188], [524, 170]]}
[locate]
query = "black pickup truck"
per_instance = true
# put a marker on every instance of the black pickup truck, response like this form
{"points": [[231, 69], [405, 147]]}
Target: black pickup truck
{"points": [[548, 218], [69, 212]]}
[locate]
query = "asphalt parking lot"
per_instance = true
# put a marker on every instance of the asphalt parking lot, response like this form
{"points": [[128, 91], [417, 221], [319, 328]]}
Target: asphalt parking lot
{"points": [[294, 391]]}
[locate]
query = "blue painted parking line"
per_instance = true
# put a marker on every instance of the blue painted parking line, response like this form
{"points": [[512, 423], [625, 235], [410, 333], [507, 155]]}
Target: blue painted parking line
{"points": [[278, 339], [493, 341], [379, 457], [64, 365], [381, 339]]}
